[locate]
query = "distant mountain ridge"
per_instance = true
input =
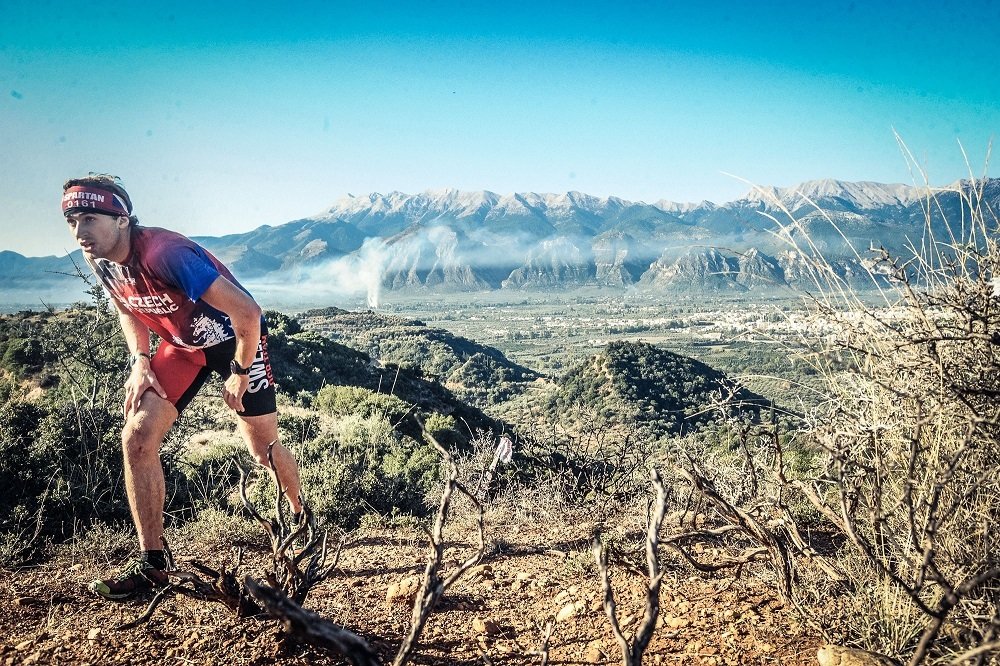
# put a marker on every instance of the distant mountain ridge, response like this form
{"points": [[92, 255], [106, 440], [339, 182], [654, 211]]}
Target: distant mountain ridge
{"points": [[472, 241], [860, 195]]}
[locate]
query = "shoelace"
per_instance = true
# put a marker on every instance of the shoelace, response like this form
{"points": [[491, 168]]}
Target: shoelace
{"points": [[135, 567]]}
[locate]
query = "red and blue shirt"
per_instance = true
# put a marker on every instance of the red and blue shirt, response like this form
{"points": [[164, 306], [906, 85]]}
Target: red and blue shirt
{"points": [[161, 283]]}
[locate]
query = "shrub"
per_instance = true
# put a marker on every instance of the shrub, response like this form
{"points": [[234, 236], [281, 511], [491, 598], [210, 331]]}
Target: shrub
{"points": [[361, 402], [60, 468], [60, 455], [444, 429], [306, 361], [362, 466], [23, 356], [208, 476]]}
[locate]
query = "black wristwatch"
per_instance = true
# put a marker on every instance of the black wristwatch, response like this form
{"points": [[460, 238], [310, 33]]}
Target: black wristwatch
{"points": [[135, 357], [237, 369]]}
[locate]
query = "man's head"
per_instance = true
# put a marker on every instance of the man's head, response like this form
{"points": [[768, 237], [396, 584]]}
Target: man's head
{"points": [[97, 193], [99, 213]]}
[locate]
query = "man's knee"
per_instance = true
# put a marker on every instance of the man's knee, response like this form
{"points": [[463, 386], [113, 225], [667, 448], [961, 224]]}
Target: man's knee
{"points": [[141, 437], [264, 452], [260, 456], [261, 435]]}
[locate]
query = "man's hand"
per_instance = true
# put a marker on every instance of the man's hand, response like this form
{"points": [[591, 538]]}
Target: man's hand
{"points": [[140, 380], [233, 390]]}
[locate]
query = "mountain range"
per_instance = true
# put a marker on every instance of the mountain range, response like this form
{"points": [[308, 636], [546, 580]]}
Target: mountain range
{"points": [[472, 241]]}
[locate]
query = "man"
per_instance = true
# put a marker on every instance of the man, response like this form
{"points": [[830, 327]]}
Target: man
{"points": [[164, 283]]}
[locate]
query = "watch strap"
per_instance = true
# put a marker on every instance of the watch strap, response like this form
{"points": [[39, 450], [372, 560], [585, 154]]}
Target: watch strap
{"points": [[135, 357], [237, 369]]}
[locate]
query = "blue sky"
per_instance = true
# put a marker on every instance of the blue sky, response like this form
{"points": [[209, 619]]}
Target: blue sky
{"points": [[220, 117]]}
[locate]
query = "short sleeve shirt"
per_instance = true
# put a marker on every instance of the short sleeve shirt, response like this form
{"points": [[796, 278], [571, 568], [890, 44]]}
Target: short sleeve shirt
{"points": [[161, 283]]}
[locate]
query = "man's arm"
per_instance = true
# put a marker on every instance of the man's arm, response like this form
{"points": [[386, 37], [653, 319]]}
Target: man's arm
{"points": [[244, 314], [141, 378]]}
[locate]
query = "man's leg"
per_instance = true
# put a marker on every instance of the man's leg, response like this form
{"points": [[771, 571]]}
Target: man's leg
{"points": [[259, 432], [142, 437]]}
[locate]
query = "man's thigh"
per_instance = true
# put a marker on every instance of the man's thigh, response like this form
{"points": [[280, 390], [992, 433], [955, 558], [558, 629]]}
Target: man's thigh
{"points": [[180, 371]]}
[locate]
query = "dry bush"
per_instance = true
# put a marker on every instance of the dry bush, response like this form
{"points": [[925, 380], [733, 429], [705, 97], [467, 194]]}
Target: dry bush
{"points": [[898, 469], [911, 440]]}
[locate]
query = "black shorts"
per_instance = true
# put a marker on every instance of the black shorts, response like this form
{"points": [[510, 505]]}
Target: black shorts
{"points": [[182, 372]]}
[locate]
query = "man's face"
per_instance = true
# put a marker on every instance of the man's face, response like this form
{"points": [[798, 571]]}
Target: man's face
{"points": [[101, 236]]}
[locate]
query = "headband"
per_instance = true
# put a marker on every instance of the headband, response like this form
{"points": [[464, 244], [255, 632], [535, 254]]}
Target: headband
{"points": [[84, 198]]}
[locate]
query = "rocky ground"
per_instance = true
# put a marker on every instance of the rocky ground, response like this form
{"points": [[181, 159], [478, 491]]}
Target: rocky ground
{"points": [[536, 572]]}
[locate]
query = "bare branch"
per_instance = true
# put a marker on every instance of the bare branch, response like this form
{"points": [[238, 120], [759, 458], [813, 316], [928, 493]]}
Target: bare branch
{"points": [[543, 650], [311, 627], [287, 577], [749, 525], [632, 654], [433, 586], [150, 609], [976, 653]]}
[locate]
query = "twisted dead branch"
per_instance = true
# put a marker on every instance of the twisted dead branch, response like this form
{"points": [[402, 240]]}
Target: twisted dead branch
{"points": [[434, 584], [287, 577], [287, 574], [632, 654], [293, 574], [766, 540], [311, 627], [222, 586]]}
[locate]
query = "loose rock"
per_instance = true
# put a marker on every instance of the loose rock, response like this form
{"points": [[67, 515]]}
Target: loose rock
{"points": [[483, 570], [485, 627], [566, 612], [403, 591], [836, 655], [594, 654]]}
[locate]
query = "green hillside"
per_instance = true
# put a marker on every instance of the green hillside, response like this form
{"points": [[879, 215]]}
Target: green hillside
{"points": [[306, 361], [646, 384], [475, 373]]}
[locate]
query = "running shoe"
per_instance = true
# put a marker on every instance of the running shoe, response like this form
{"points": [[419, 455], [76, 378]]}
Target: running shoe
{"points": [[139, 576]]}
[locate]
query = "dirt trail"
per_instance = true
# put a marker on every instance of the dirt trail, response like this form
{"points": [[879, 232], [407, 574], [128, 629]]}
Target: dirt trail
{"points": [[496, 615]]}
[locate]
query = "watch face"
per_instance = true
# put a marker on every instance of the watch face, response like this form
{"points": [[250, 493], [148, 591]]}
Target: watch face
{"points": [[237, 369]]}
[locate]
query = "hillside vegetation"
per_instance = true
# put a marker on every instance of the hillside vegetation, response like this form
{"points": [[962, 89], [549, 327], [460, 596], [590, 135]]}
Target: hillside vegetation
{"points": [[639, 383], [354, 421], [475, 373]]}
